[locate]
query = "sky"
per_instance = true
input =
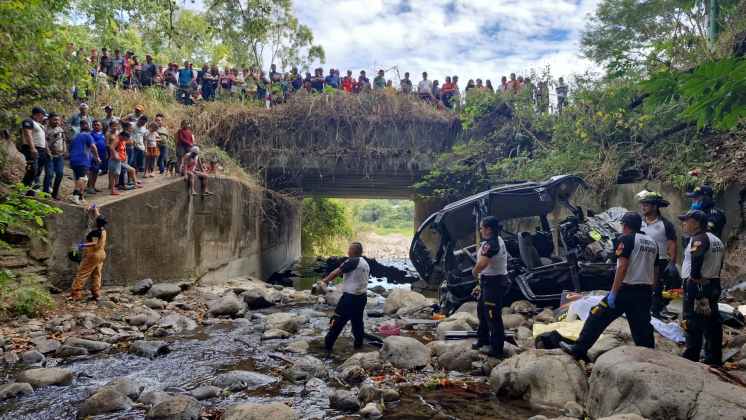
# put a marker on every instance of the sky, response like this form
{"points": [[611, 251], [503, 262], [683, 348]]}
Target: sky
{"points": [[471, 38]]}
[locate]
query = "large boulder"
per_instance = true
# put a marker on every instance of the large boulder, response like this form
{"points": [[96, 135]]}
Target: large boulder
{"points": [[45, 376], [44, 345], [227, 305], [178, 407], [344, 400], [405, 352], [284, 321], [15, 389], [401, 298], [236, 380], [273, 411], [257, 298], [125, 386], [543, 377], [14, 163], [141, 287], [164, 291], [143, 317], [452, 325], [469, 308], [658, 385], [107, 400], [177, 323], [149, 349], [470, 318], [366, 360]]}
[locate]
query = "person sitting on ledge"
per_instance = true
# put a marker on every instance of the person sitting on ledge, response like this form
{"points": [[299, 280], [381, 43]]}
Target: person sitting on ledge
{"points": [[193, 168]]}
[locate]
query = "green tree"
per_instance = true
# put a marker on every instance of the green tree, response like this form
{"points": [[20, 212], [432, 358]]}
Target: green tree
{"points": [[254, 29], [325, 227]]}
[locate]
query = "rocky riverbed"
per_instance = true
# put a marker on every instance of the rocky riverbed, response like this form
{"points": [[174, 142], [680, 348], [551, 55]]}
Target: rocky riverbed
{"points": [[249, 350]]}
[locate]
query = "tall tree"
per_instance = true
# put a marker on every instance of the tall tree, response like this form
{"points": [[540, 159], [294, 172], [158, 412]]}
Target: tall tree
{"points": [[257, 29]]}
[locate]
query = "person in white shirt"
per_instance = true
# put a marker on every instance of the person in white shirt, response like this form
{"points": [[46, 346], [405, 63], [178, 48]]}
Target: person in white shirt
{"points": [[425, 88], [355, 271], [34, 145]]}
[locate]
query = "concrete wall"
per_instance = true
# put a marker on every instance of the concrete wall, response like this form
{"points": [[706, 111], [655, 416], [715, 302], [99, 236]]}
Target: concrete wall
{"points": [[166, 234]]}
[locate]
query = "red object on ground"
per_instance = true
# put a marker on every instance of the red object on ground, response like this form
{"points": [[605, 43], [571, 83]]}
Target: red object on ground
{"points": [[388, 330]]}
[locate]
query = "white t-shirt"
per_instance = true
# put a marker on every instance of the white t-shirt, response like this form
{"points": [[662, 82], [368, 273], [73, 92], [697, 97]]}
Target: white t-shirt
{"points": [[713, 256], [425, 86], [355, 272], [642, 252], [38, 135], [497, 253], [138, 137], [151, 138]]}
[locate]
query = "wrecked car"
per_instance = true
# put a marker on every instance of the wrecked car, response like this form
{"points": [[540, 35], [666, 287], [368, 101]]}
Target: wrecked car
{"points": [[553, 246]]}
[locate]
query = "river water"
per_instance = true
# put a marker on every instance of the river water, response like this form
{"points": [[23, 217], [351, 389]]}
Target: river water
{"points": [[223, 345]]}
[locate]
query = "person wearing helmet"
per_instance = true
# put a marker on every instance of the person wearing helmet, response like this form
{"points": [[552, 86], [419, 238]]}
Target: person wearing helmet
{"points": [[491, 269], [703, 259], [663, 232], [631, 293], [703, 198]]}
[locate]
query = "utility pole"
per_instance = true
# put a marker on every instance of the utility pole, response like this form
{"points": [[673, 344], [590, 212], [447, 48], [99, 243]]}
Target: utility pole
{"points": [[713, 24]]}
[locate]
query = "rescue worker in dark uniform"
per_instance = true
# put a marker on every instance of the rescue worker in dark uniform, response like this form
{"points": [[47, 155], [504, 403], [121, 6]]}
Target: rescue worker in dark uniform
{"points": [[663, 232], [703, 198], [630, 294], [491, 269], [355, 272], [703, 259]]}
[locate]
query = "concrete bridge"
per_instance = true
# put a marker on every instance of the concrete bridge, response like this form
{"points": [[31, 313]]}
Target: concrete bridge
{"points": [[366, 146]]}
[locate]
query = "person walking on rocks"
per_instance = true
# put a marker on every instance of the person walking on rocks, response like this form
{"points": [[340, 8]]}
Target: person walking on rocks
{"points": [[491, 269], [703, 259], [662, 231], [631, 293], [355, 272], [94, 255]]}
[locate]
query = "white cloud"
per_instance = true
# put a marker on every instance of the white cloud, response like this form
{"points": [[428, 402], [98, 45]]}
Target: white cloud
{"points": [[472, 38]]}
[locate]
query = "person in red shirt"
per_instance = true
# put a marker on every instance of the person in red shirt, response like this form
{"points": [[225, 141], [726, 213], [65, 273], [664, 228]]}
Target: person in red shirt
{"points": [[446, 92], [118, 161], [348, 82], [184, 142]]}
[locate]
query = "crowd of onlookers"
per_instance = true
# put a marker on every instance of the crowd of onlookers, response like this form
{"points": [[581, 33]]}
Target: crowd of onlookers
{"points": [[209, 82], [121, 148]]}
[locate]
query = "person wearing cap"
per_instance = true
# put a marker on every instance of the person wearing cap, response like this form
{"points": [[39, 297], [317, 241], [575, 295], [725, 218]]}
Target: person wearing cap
{"points": [[109, 118], [356, 272], [703, 198], [33, 144], [75, 120], [491, 269], [663, 232], [92, 263], [630, 294], [138, 112], [82, 152], [193, 168], [703, 259]]}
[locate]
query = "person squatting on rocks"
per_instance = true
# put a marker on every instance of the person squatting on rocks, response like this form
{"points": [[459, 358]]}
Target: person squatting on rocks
{"points": [[631, 293], [355, 272], [94, 255], [491, 269], [193, 168], [663, 232], [703, 259]]}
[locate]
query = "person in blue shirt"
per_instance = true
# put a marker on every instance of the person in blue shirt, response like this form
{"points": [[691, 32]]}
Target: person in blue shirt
{"points": [[186, 75], [332, 79], [82, 150], [99, 139]]}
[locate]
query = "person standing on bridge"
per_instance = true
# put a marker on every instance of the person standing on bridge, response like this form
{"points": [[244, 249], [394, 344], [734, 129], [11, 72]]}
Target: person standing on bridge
{"points": [[491, 269], [355, 272]]}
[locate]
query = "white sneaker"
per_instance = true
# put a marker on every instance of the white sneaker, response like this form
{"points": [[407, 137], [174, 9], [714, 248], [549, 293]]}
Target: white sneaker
{"points": [[81, 201], [75, 199]]}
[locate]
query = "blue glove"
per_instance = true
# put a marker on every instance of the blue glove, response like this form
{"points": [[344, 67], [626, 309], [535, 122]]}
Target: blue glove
{"points": [[81, 245], [611, 299]]}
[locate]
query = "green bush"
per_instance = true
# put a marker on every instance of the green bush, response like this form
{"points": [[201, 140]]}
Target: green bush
{"points": [[22, 296], [325, 227], [19, 211]]}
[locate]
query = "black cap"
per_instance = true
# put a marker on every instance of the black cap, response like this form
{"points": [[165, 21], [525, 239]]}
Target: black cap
{"points": [[697, 215], [124, 135], [632, 220], [701, 191], [492, 222], [38, 110], [101, 221]]}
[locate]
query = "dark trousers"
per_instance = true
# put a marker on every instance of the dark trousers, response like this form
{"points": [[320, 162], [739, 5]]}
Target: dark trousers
{"points": [[162, 158], [349, 308], [139, 163], [489, 310], [42, 162], [658, 304], [632, 301], [30, 174], [699, 327]]}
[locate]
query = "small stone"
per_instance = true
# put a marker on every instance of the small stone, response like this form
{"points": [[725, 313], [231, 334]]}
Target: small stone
{"points": [[300, 347], [344, 400], [150, 349], [242, 379], [126, 386], [206, 392], [178, 407], [371, 411], [152, 398], [104, 401], [257, 298], [573, 409], [141, 287], [353, 374], [44, 345], [389, 395], [90, 345], [227, 305], [10, 358], [513, 321], [284, 321], [546, 316], [70, 351], [46, 376], [164, 291], [368, 393], [273, 411], [154, 303], [15, 389], [107, 331], [275, 334], [523, 307], [32, 357]]}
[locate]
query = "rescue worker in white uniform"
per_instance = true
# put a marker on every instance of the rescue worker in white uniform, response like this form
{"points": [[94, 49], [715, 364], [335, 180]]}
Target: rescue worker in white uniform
{"points": [[630, 294], [703, 259], [663, 232], [491, 269], [355, 272]]}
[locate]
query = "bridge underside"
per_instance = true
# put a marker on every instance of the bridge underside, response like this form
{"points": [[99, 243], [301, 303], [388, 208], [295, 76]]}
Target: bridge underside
{"points": [[347, 183]]}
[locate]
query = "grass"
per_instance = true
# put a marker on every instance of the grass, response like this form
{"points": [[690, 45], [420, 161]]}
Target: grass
{"points": [[24, 295]]}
